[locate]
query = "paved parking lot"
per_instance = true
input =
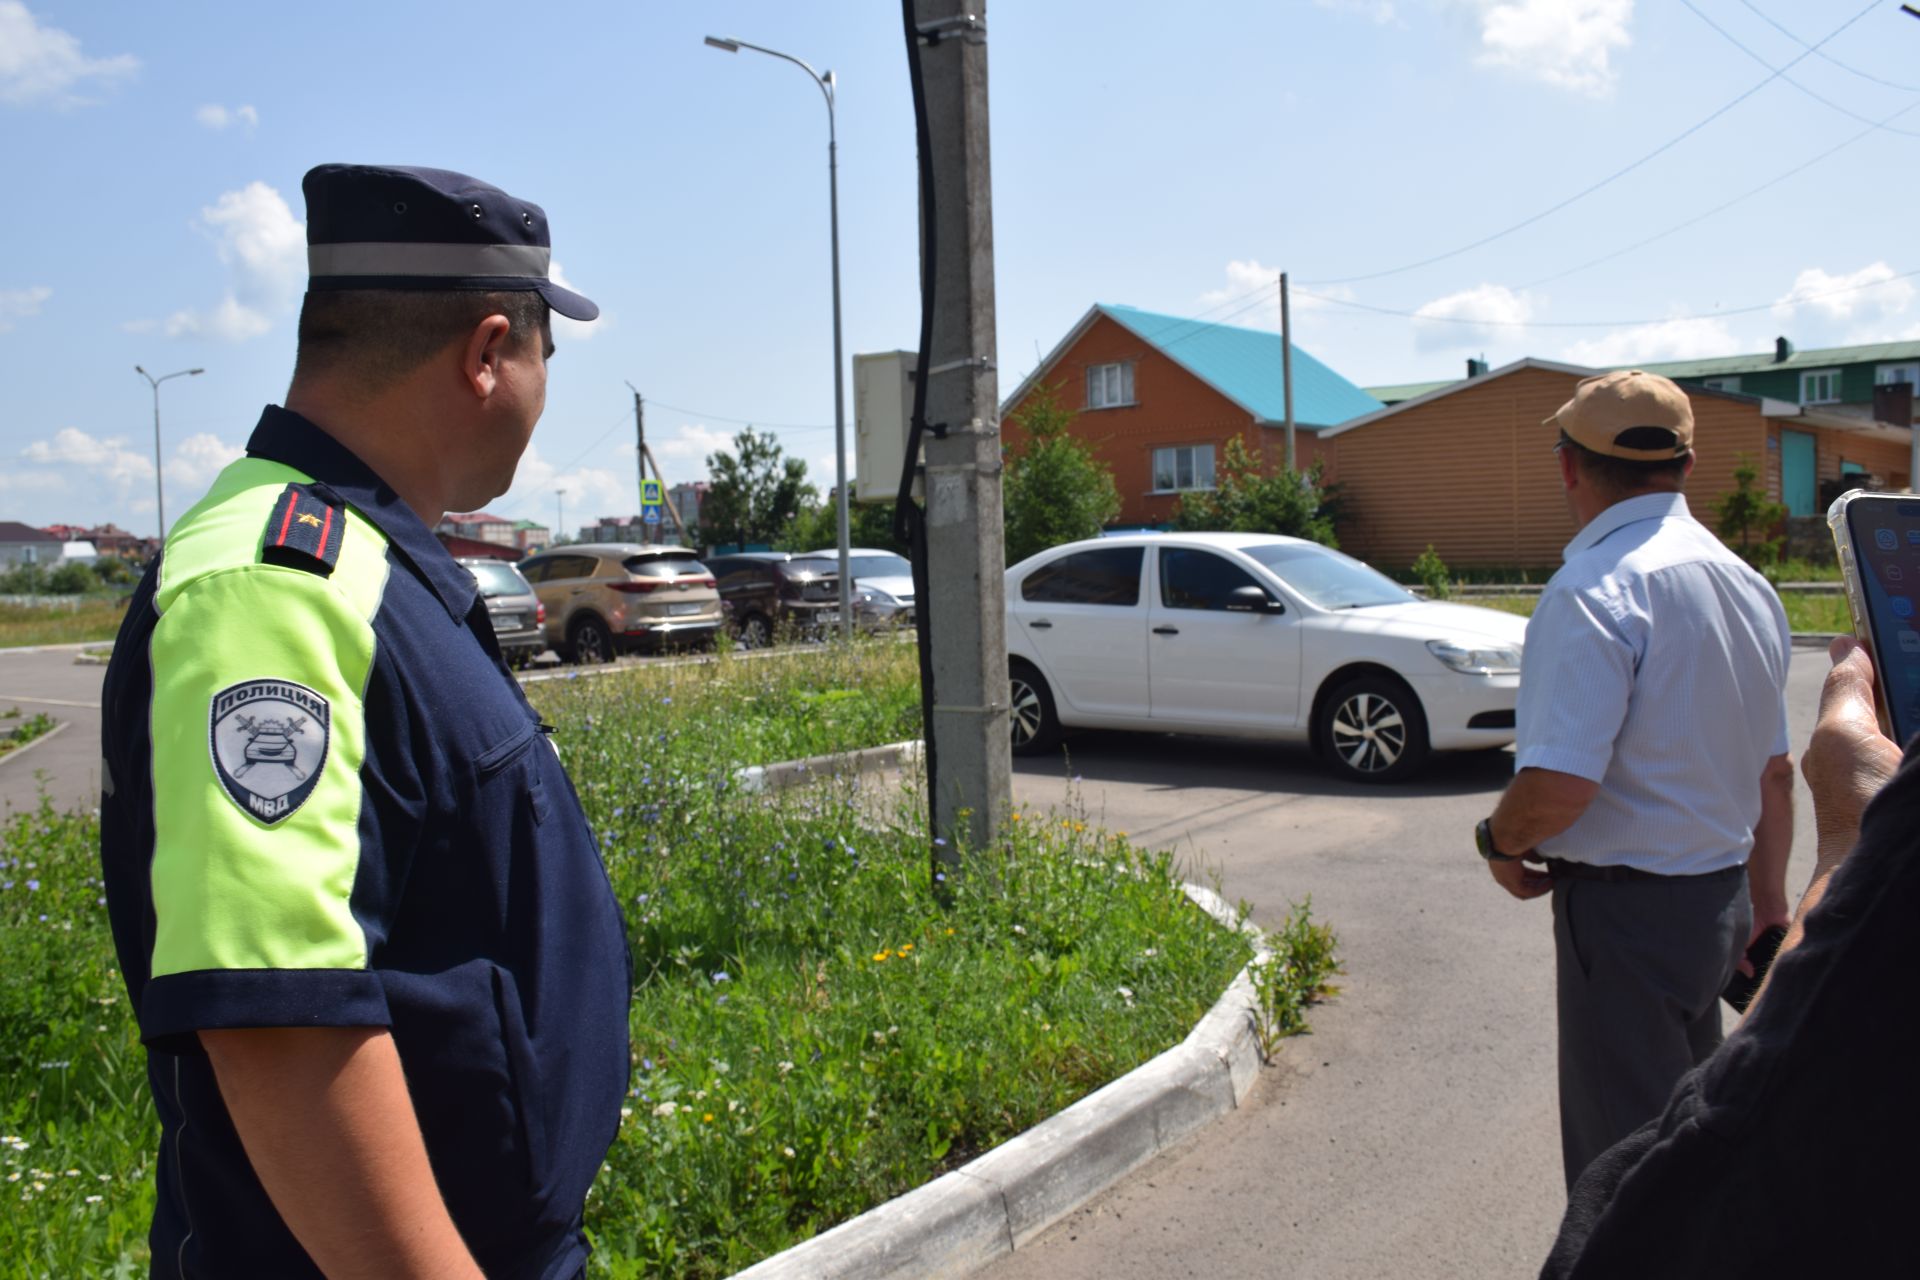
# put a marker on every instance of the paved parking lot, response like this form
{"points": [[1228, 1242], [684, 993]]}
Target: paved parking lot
{"points": [[1415, 1132]]}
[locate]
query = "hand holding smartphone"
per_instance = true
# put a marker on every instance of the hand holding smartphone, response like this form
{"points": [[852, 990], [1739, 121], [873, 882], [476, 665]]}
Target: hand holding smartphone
{"points": [[1878, 538]]}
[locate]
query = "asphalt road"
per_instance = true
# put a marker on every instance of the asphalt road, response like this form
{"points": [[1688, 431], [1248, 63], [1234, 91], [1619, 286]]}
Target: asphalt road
{"points": [[67, 766], [1415, 1132]]}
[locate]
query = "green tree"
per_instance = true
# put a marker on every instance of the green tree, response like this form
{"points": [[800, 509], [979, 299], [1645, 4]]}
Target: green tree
{"points": [[756, 490], [71, 579], [1746, 514], [869, 524], [1054, 490], [1246, 500], [112, 570]]}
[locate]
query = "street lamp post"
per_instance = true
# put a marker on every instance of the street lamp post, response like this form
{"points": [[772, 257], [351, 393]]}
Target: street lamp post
{"points": [[826, 82], [159, 490]]}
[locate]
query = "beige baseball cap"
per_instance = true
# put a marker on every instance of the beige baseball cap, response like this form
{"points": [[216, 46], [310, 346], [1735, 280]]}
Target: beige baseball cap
{"points": [[1630, 414]]}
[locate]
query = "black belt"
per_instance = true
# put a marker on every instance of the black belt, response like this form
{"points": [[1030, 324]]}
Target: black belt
{"points": [[1566, 869]]}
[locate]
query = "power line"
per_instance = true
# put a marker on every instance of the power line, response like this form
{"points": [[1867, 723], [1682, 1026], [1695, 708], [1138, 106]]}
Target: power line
{"points": [[1781, 73], [1864, 75], [1611, 178], [1792, 300], [1721, 207]]}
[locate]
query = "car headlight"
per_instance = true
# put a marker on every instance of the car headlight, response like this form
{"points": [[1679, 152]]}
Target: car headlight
{"points": [[1503, 661]]}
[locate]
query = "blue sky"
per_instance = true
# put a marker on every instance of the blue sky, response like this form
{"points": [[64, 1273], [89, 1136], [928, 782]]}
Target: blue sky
{"points": [[1168, 157]]}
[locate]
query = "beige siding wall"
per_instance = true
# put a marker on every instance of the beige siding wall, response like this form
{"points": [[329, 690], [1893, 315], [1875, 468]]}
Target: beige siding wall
{"points": [[1473, 473]]}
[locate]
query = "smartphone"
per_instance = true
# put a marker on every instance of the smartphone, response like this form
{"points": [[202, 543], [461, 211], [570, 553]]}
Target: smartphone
{"points": [[1878, 538]]}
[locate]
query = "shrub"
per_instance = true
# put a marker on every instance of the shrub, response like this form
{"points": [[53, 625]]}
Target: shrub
{"points": [[1246, 500], [1431, 572], [1746, 514]]}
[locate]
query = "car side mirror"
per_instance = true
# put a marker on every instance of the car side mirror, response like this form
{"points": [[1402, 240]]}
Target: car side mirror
{"points": [[1253, 600]]}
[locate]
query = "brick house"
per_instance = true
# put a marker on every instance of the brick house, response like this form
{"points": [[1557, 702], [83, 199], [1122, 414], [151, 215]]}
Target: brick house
{"points": [[1158, 397], [1468, 467]]}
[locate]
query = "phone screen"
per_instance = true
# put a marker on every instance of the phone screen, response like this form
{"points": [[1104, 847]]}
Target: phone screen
{"points": [[1886, 546]]}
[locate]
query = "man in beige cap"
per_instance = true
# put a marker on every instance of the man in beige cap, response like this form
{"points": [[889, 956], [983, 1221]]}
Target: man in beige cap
{"points": [[1652, 777]]}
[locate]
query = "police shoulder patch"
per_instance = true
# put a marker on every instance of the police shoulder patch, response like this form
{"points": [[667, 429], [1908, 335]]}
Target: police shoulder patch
{"points": [[305, 529], [269, 742]]}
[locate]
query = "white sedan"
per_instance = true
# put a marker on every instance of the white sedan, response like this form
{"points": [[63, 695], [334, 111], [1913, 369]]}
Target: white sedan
{"points": [[1253, 635]]}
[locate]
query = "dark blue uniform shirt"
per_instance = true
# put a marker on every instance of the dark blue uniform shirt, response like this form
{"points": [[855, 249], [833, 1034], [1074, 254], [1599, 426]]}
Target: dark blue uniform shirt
{"points": [[328, 803]]}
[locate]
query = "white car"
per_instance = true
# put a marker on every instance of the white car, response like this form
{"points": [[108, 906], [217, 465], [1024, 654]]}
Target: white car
{"points": [[1254, 635], [882, 584]]}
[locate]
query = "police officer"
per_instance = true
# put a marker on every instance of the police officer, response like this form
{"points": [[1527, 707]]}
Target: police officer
{"points": [[378, 968]]}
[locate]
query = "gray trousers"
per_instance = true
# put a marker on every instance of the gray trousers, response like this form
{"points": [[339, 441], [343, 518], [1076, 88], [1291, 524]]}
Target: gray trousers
{"points": [[1639, 968]]}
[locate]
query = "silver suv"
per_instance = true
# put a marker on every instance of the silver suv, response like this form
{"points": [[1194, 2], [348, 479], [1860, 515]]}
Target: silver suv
{"points": [[606, 597], [519, 619]]}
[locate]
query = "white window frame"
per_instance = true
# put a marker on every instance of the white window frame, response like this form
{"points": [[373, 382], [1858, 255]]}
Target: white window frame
{"points": [[1110, 386], [1907, 371], [1721, 384], [1192, 455], [1833, 386]]}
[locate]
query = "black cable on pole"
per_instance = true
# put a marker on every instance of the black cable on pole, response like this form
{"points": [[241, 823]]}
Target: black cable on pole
{"points": [[909, 517]]}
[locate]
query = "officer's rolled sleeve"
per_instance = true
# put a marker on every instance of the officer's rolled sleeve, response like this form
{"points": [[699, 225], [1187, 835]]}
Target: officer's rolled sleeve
{"points": [[253, 884], [1577, 686]]}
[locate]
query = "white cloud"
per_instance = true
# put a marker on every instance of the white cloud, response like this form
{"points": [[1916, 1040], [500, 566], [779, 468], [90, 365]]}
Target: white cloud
{"points": [[44, 64], [265, 250], [198, 459], [19, 304], [592, 491], [1565, 43], [692, 443], [1680, 339], [1491, 308], [219, 118], [106, 460], [1869, 292], [1245, 281], [565, 330]]}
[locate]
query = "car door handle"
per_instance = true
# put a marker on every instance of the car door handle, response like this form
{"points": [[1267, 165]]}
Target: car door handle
{"points": [[1041, 625], [1166, 631]]}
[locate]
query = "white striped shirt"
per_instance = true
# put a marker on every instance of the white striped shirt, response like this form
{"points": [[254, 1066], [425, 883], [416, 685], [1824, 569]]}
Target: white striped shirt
{"points": [[1656, 666]]}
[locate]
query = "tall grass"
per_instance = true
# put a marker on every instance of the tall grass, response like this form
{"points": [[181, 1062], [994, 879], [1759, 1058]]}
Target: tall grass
{"points": [[814, 1029]]}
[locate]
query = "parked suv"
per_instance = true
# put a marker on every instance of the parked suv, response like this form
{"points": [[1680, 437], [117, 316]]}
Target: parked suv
{"points": [[606, 597], [519, 619], [882, 584], [774, 593]]}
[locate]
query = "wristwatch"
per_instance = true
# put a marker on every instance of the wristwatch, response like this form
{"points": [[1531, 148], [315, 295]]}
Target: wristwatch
{"points": [[1483, 837]]}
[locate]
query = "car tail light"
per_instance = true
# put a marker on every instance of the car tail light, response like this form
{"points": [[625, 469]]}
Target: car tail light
{"points": [[540, 614], [709, 582], [637, 588]]}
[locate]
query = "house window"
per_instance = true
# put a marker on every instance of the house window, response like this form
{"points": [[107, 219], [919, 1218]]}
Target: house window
{"points": [[1722, 384], [1888, 374], [1109, 386], [1821, 386], [1189, 466]]}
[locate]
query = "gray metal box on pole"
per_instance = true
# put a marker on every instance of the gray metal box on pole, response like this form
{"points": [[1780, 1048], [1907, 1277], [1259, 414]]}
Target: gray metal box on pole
{"points": [[965, 538]]}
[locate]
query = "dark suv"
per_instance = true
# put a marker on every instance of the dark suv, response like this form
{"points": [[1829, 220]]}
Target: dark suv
{"points": [[770, 593]]}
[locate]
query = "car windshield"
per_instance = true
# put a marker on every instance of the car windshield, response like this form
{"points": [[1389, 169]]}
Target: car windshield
{"points": [[880, 566], [1327, 578], [499, 579], [664, 567]]}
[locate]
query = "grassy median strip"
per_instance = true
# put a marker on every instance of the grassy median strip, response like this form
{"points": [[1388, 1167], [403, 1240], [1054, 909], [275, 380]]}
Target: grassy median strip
{"points": [[1806, 610], [90, 618], [814, 1031], [17, 730]]}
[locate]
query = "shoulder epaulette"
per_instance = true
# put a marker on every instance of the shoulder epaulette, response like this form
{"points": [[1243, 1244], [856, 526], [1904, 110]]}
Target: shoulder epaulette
{"points": [[305, 530]]}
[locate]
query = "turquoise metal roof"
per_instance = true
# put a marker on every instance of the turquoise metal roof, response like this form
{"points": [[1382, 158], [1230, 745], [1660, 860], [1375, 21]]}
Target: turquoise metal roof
{"points": [[1244, 366]]}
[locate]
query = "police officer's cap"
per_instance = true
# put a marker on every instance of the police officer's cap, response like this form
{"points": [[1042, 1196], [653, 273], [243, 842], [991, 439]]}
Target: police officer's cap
{"points": [[388, 227]]}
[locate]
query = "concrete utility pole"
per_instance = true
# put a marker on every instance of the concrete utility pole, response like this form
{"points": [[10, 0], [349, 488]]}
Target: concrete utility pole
{"points": [[965, 538], [672, 508], [1286, 369]]}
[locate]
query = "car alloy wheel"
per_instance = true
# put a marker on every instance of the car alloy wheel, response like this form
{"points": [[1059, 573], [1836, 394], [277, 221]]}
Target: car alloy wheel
{"points": [[754, 633], [591, 642], [1032, 723], [1374, 730]]}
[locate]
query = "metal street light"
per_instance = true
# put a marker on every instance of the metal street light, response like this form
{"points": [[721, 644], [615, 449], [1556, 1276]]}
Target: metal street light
{"points": [[729, 44], [159, 490]]}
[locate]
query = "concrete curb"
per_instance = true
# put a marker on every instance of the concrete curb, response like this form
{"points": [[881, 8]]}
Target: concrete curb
{"points": [[59, 727], [999, 1202], [71, 647], [787, 774]]}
